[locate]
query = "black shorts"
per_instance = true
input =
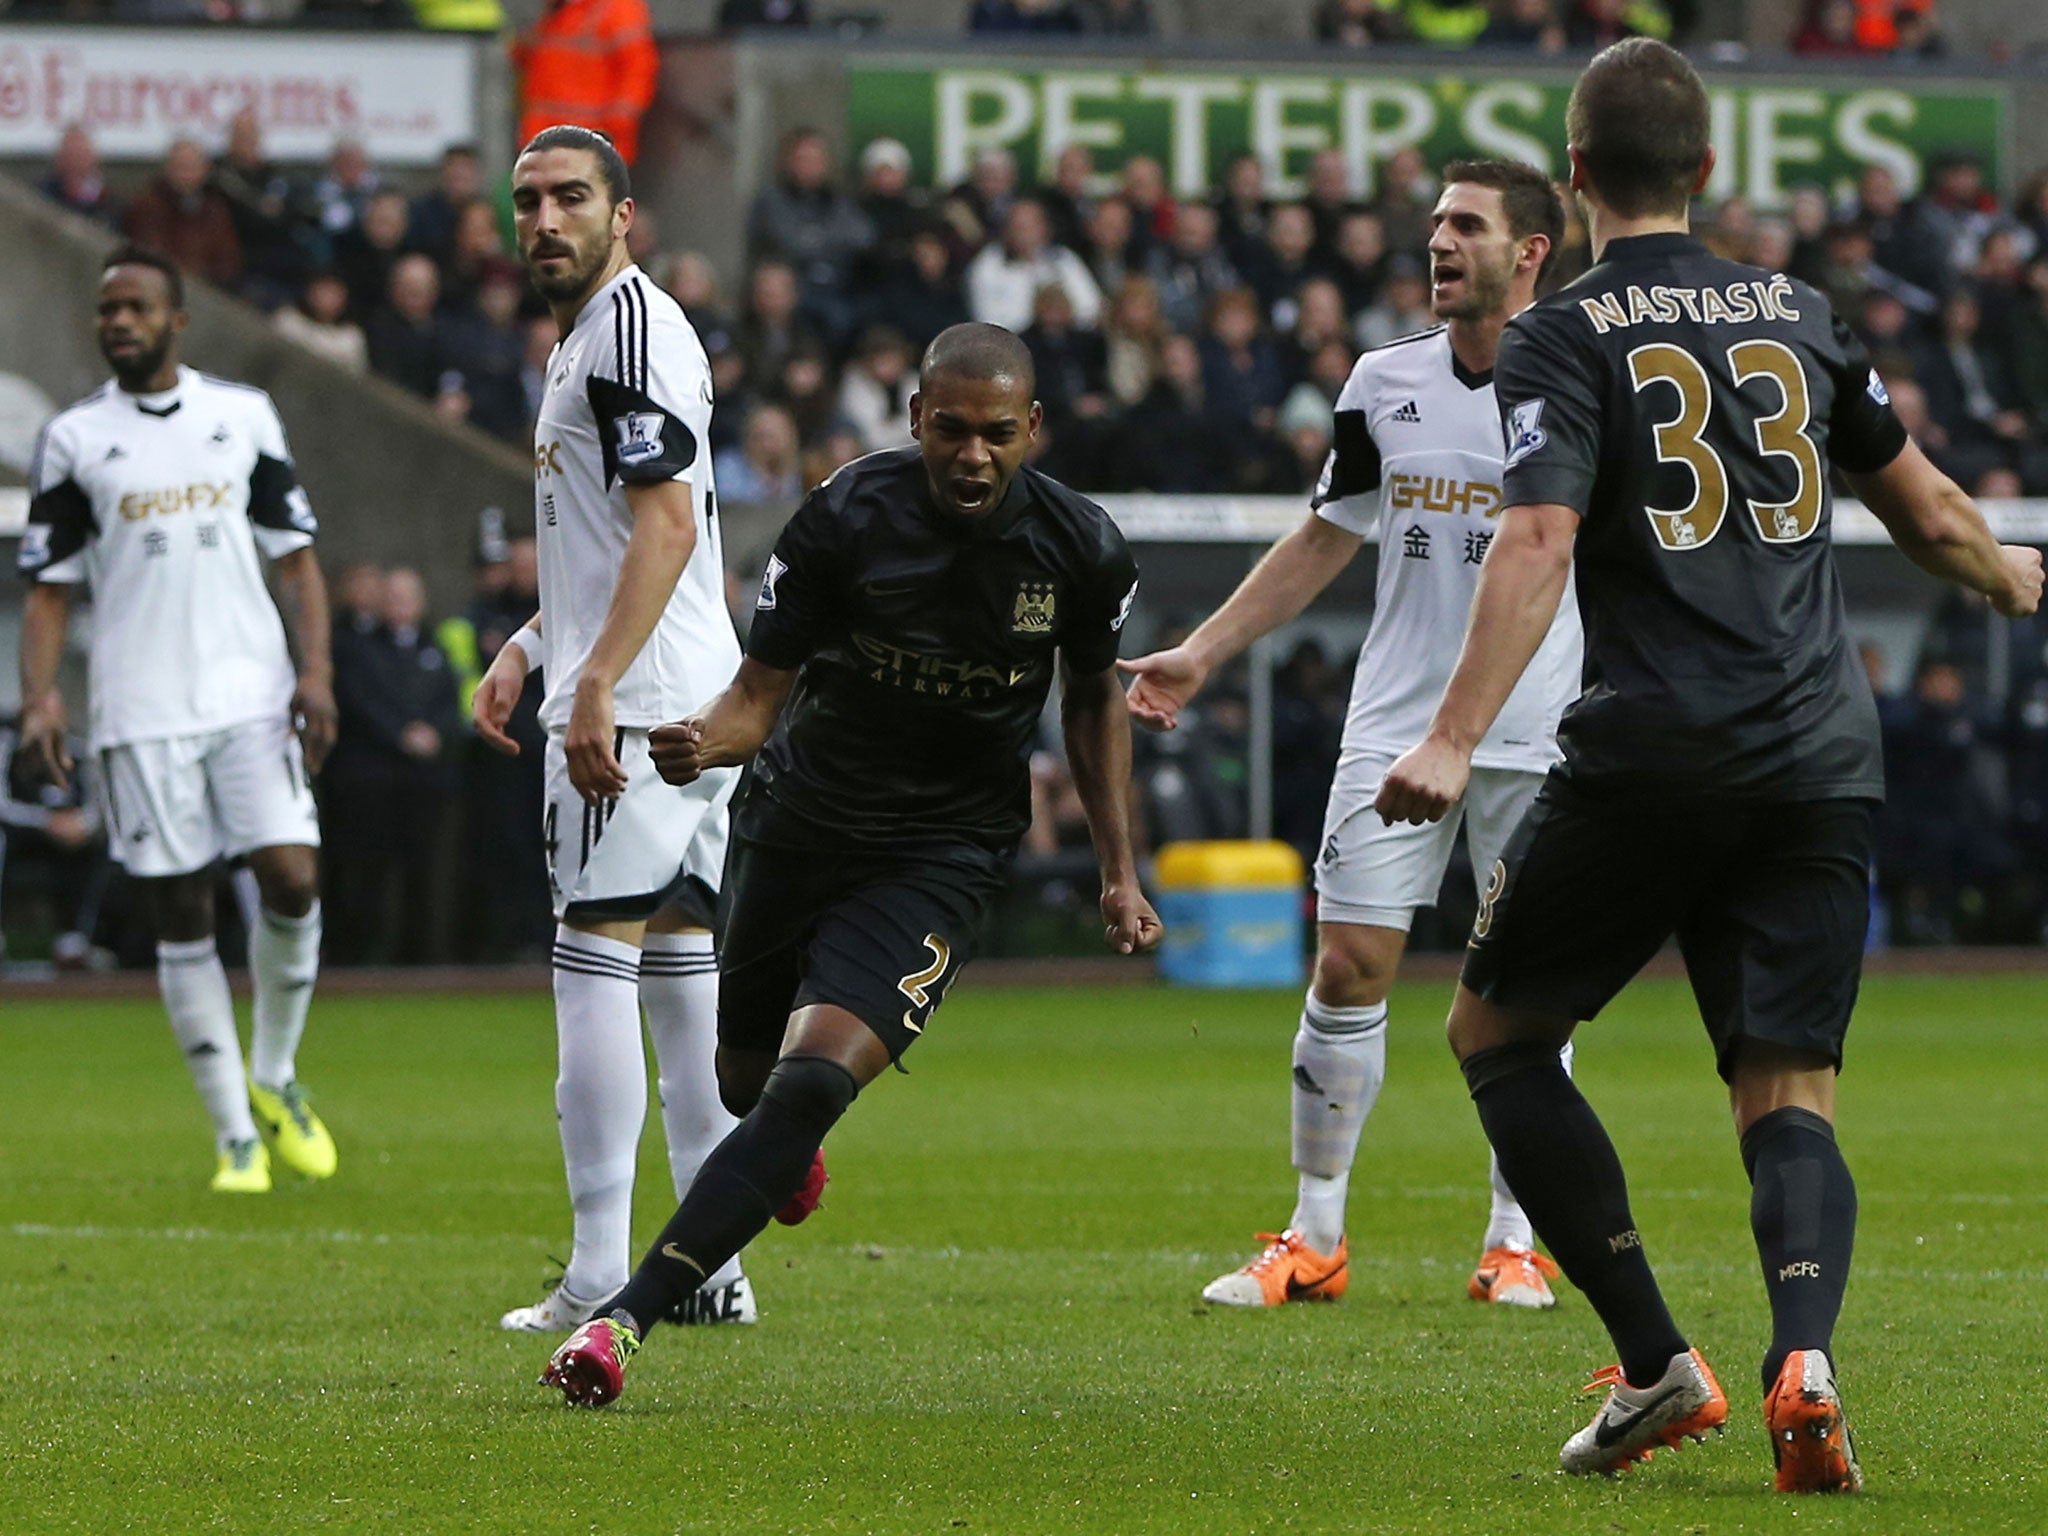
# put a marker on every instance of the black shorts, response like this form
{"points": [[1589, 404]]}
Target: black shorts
{"points": [[881, 933], [1770, 904]]}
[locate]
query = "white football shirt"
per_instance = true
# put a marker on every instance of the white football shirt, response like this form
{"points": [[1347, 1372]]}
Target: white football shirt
{"points": [[1418, 450], [167, 505], [628, 401]]}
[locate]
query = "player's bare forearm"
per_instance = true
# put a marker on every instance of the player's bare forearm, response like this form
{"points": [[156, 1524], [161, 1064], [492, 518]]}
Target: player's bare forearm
{"points": [[1096, 728], [303, 591], [738, 720], [663, 539], [1520, 583], [1286, 580], [46, 616], [1938, 527]]}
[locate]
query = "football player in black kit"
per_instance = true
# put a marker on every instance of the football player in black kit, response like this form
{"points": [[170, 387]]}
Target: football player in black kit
{"points": [[906, 634], [1670, 422]]}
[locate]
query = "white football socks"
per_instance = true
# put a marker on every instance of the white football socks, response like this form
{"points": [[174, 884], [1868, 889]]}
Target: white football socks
{"points": [[600, 1101], [679, 990], [284, 961], [1507, 1224], [1340, 1060], [195, 992]]}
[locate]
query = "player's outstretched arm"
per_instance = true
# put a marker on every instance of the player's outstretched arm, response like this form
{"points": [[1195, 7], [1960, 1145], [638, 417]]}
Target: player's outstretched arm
{"points": [[498, 690], [45, 617], [1096, 725], [1938, 527], [1285, 581], [729, 730], [303, 591], [1520, 582], [663, 539]]}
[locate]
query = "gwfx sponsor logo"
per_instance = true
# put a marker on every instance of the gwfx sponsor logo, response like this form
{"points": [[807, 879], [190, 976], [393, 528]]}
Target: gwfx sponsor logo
{"points": [[547, 459], [203, 496], [1441, 493]]}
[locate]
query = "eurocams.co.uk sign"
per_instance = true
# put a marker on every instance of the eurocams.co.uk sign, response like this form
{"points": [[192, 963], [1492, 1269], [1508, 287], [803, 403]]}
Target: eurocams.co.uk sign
{"points": [[1772, 135]]}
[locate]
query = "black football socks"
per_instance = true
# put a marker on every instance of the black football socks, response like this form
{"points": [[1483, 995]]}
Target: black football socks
{"points": [[1802, 1209], [748, 1177], [1557, 1159]]}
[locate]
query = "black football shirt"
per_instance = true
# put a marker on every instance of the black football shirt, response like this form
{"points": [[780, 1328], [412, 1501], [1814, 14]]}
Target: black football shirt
{"points": [[926, 644], [1688, 408]]}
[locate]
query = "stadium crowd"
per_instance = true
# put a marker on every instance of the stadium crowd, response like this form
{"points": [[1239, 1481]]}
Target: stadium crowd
{"points": [[1191, 345]]}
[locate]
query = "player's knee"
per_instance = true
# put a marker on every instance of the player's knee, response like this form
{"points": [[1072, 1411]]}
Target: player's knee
{"points": [[741, 1075], [814, 1089], [1349, 978], [183, 908], [291, 892]]}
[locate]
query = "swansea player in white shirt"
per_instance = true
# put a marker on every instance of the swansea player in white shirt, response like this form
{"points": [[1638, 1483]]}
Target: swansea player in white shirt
{"points": [[632, 631], [1418, 450], [165, 491]]}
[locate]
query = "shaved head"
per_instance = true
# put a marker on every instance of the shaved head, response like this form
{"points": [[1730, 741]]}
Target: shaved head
{"points": [[978, 352]]}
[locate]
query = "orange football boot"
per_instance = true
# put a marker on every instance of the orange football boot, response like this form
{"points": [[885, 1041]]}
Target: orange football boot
{"points": [[1513, 1277], [1288, 1270], [1809, 1436]]}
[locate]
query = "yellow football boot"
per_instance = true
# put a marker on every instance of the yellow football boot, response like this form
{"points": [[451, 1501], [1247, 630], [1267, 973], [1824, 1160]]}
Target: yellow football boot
{"points": [[244, 1169], [289, 1125]]}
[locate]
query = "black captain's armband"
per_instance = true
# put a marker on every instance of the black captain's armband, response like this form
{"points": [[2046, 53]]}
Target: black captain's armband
{"points": [[643, 443], [1354, 465], [59, 523], [276, 499]]}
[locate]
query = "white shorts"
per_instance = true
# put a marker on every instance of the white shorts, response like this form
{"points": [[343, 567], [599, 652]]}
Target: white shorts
{"points": [[1375, 874], [658, 844], [176, 804]]}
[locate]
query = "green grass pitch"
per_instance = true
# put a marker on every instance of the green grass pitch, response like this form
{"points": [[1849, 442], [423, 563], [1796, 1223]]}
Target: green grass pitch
{"points": [[993, 1324]]}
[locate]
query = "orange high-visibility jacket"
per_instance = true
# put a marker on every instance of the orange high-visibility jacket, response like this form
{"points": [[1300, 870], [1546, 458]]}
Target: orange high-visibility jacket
{"points": [[591, 62]]}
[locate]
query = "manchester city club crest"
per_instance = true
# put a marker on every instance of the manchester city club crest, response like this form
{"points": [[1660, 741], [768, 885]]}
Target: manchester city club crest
{"points": [[1034, 609]]}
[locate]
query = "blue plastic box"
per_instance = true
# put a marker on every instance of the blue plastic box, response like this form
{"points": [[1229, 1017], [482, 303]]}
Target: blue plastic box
{"points": [[1232, 912]]}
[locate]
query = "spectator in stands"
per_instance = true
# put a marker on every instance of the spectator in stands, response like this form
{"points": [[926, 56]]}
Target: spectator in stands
{"points": [[1023, 16], [805, 388], [1072, 369], [1308, 729], [1919, 32], [388, 782], [895, 210], [458, 182], [367, 250], [764, 470], [1152, 206], [320, 323], [2028, 349], [1358, 23], [808, 222], [407, 343], [1175, 443], [52, 840], [74, 179], [1968, 389], [1303, 428], [1827, 30], [1944, 225], [1284, 262], [344, 189], [1525, 24], [693, 283], [1407, 197], [504, 885], [771, 328], [1329, 199], [1190, 268], [874, 395], [541, 334], [1909, 404], [745, 15], [976, 208], [591, 62], [1442, 23], [183, 216], [1133, 334], [1597, 24], [1117, 18], [1890, 332], [1772, 247], [1319, 320], [1402, 308], [266, 213], [1242, 208], [1996, 278], [1068, 201], [1359, 264], [1109, 248], [2031, 210], [1003, 280], [475, 256], [1241, 377], [838, 446], [486, 344], [1731, 232], [1938, 831], [924, 297]]}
